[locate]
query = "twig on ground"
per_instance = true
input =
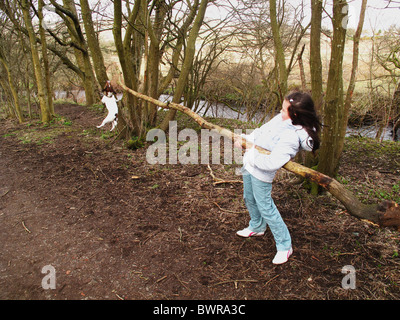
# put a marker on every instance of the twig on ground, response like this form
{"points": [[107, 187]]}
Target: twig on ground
{"points": [[226, 210], [26, 229], [2, 195], [219, 180], [271, 280], [234, 281]]}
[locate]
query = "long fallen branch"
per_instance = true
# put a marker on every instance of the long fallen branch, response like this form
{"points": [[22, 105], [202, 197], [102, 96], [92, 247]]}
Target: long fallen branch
{"points": [[385, 214]]}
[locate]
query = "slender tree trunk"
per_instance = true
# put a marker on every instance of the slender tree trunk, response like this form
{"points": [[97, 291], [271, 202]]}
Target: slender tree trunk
{"points": [[80, 50], [46, 68], [334, 106], [124, 48], [155, 33], [315, 54], [396, 113], [10, 107], [174, 66], [40, 81], [93, 44], [301, 66], [13, 90], [386, 214], [279, 51], [187, 62], [315, 72], [347, 103]]}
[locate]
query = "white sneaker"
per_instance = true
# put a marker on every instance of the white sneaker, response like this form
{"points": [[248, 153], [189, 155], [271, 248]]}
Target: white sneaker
{"points": [[282, 256], [246, 233]]}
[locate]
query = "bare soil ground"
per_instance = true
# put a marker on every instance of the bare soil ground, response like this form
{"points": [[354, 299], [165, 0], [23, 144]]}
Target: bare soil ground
{"points": [[115, 227]]}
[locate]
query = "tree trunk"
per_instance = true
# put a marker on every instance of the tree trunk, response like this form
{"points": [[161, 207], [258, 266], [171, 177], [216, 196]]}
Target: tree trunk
{"points": [[386, 214], [349, 95], [9, 106], [396, 114], [187, 63], [154, 56], [46, 68], [69, 14], [13, 90], [301, 66], [315, 72], [93, 43], [279, 52], [334, 106], [315, 53], [124, 50], [40, 82]]}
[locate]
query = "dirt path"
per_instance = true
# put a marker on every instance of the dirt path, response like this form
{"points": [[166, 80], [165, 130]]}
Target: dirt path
{"points": [[74, 203]]}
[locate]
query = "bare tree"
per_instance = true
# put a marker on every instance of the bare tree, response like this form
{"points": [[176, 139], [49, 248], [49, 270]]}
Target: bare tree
{"points": [[212, 43], [315, 53], [9, 84], [388, 56], [45, 58], [69, 15], [255, 44], [344, 117], [334, 104], [189, 53], [9, 68], [40, 78], [93, 44], [279, 51]]}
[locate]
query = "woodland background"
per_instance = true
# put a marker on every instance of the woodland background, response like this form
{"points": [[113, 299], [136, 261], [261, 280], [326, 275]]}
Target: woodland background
{"points": [[113, 226]]}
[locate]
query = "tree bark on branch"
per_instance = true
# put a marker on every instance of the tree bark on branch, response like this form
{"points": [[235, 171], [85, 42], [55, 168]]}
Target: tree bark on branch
{"points": [[385, 214]]}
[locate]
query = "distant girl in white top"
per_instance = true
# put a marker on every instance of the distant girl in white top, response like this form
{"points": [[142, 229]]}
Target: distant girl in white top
{"points": [[296, 127]]}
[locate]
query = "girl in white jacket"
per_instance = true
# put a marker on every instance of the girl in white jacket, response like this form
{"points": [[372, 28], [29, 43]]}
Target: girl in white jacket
{"points": [[296, 127]]}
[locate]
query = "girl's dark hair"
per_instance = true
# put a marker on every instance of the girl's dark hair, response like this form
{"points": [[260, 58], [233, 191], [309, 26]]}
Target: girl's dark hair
{"points": [[302, 112]]}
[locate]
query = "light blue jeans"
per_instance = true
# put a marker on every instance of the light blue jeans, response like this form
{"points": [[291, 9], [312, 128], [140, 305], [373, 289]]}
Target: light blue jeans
{"points": [[263, 212]]}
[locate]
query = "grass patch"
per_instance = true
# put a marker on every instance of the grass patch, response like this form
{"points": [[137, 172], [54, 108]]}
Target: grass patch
{"points": [[39, 133], [371, 169]]}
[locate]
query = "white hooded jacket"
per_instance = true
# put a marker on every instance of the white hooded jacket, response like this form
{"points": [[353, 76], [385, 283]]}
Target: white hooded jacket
{"points": [[280, 137]]}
